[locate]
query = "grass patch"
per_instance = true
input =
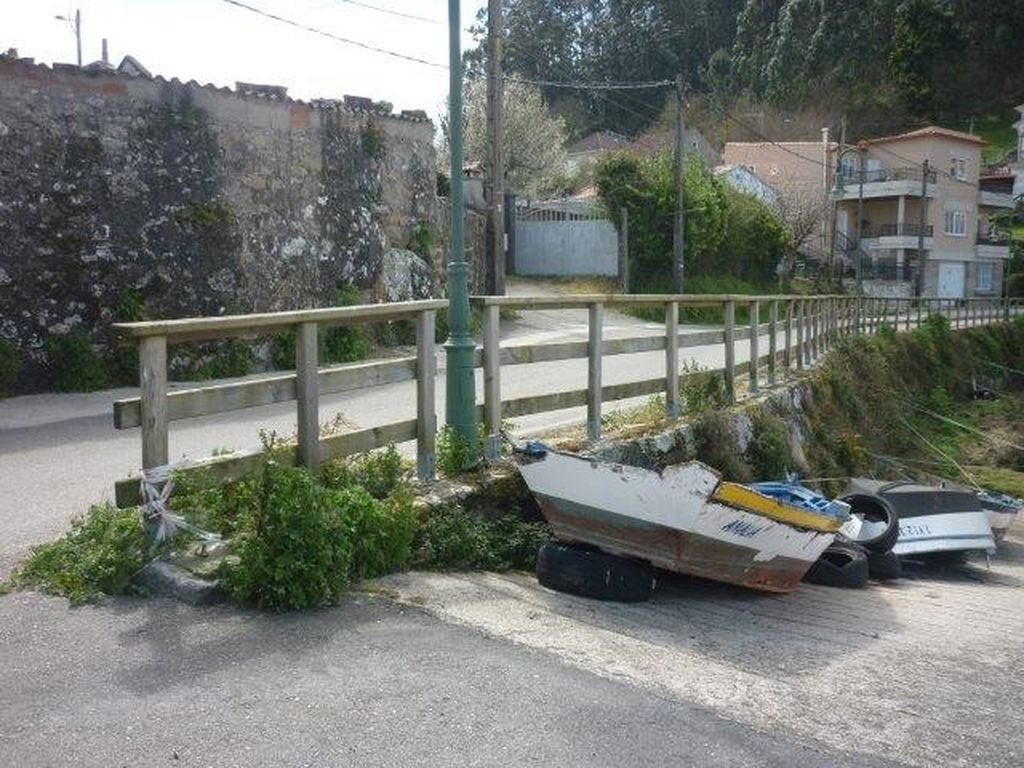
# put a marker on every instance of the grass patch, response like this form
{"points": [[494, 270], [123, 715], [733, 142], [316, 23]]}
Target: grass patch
{"points": [[99, 555]]}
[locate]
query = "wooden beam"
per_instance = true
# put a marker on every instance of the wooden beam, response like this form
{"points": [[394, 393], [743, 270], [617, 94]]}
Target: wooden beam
{"points": [[492, 382], [307, 395], [426, 405], [231, 326], [153, 401], [594, 365], [729, 313], [672, 359], [755, 339]]}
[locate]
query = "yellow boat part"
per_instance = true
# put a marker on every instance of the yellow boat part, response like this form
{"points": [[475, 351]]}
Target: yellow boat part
{"points": [[736, 495]]}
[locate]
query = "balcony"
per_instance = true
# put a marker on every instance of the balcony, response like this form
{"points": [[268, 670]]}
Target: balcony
{"points": [[988, 199], [992, 244], [896, 236], [906, 229], [885, 182]]}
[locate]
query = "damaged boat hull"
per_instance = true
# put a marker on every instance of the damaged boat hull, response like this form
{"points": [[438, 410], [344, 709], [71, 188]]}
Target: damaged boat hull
{"points": [[670, 520]]}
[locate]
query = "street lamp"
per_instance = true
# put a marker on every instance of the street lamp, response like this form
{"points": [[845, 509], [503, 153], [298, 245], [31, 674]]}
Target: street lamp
{"points": [[77, 21], [460, 386]]}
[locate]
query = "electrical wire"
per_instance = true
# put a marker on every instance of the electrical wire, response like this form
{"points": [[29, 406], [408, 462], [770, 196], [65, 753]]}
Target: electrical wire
{"points": [[581, 86], [332, 36], [391, 12]]}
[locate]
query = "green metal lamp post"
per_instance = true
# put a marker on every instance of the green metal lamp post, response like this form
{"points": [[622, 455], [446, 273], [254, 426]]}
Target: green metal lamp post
{"points": [[460, 387]]}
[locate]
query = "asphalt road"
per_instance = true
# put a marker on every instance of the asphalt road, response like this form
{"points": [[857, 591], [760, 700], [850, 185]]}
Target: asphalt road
{"points": [[369, 683]]}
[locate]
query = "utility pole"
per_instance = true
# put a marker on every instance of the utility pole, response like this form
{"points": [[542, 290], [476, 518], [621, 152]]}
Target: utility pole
{"points": [[679, 232], [496, 142], [920, 229], [78, 32], [860, 222], [460, 387]]}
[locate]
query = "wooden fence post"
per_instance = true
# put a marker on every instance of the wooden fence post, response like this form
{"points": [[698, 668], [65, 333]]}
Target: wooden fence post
{"points": [[307, 395], [787, 355], [755, 340], [624, 249], [773, 344], [672, 359], [596, 319], [153, 400], [801, 311], [729, 338], [492, 382], [426, 407], [815, 312]]}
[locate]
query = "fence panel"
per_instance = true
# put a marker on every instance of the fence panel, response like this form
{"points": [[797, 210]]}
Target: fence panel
{"points": [[565, 243]]}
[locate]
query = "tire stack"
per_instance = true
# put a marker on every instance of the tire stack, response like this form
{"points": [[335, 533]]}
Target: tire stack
{"points": [[581, 570], [850, 563]]}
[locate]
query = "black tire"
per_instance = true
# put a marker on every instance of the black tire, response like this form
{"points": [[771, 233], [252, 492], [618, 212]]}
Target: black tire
{"points": [[841, 565], [884, 566], [875, 509], [592, 573]]}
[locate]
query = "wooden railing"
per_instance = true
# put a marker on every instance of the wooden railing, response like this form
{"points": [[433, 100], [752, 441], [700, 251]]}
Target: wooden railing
{"points": [[816, 322]]}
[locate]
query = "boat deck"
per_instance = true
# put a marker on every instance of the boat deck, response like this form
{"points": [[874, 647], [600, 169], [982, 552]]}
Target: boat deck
{"points": [[926, 670]]}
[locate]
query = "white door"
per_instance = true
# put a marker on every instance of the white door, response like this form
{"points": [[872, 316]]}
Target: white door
{"points": [[951, 279]]}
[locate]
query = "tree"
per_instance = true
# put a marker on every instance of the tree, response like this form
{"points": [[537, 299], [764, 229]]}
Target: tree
{"points": [[534, 139]]}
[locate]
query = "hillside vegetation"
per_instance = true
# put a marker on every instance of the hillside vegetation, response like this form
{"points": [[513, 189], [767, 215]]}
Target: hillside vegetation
{"points": [[888, 64]]}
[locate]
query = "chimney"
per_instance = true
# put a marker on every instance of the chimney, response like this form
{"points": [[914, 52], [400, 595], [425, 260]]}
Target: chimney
{"points": [[105, 56]]}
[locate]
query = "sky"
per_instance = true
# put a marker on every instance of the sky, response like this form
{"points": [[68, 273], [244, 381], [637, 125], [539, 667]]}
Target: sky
{"points": [[212, 41]]}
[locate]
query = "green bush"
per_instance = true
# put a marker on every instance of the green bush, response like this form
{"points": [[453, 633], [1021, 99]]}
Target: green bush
{"points": [[454, 452], [382, 531], [768, 452], [10, 367], [294, 550], [379, 472], [450, 538], [74, 363], [100, 554]]}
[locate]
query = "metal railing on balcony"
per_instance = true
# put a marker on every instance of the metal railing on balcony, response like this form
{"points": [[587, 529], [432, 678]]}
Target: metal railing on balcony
{"points": [[852, 176], [906, 229], [988, 236]]}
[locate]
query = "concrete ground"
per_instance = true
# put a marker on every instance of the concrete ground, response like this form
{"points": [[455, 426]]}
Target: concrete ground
{"points": [[926, 670]]}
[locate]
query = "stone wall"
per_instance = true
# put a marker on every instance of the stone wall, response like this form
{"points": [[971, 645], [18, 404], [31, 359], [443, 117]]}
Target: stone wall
{"points": [[133, 197]]}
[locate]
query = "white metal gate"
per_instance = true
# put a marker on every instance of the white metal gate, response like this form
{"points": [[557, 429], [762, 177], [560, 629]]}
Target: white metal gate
{"points": [[951, 280], [564, 240]]}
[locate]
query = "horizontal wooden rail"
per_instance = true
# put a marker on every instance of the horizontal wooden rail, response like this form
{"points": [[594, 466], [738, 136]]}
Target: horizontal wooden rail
{"points": [[234, 326], [220, 398], [240, 463]]}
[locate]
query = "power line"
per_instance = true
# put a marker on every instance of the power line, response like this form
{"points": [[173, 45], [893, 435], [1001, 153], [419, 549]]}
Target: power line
{"points": [[766, 140], [580, 86], [391, 12], [332, 36]]}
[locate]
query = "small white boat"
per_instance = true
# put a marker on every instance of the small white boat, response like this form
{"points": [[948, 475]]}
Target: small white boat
{"points": [[684, 519], [933, 519], [1001, 510]]}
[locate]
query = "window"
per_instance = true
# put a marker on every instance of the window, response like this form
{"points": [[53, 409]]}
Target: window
{"points": [[985, 271], [956, 223], [958, 168]]}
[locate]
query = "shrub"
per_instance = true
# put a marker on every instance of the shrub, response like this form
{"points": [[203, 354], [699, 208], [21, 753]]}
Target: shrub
{"points": [[294, 549], [454, 452], [100, 554], [382, 531], [768, 452], [75, 365], [450, 538], [379, 472]]}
